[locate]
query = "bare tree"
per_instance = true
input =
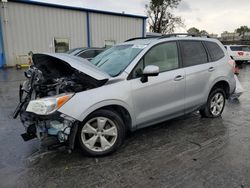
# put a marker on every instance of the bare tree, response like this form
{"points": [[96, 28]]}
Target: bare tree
{"points": [[161, 20]]}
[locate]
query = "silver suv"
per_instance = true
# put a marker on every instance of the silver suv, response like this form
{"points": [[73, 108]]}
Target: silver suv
{"points": [[132, 85]]}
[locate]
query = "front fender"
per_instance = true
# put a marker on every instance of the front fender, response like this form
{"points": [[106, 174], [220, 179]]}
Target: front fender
{"points": [[105, 103], [84, 103], [87, 111]]}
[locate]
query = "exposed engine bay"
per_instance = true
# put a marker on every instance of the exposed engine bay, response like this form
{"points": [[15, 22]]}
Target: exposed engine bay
{"points": [[50, 79]]}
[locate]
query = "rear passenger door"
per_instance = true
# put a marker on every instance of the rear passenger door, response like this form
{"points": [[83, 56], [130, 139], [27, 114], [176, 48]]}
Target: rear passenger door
{"points": [[197, 72]]}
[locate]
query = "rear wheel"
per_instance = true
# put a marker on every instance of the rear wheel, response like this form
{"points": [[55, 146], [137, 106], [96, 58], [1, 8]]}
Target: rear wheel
{"points": [[215, 104], [101, 133]]}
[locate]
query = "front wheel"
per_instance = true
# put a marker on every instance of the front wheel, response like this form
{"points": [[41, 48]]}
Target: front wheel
{"points": [[215, 104], [101, 133]]}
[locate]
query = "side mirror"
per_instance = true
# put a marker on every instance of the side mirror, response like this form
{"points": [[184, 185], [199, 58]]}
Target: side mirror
{"points": [[150, 70]]}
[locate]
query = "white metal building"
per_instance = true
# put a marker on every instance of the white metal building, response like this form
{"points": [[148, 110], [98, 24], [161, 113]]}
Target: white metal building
{"points": [[42, 27]]}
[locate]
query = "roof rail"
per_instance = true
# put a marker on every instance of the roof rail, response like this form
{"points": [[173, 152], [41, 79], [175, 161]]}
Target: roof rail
{"points": [[136, 38], [169, 35], [183, 34]]}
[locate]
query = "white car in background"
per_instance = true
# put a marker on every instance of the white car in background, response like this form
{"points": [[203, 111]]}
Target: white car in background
{"points": [[240, 53]]}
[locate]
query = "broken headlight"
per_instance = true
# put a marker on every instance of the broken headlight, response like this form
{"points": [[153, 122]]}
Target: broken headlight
{"points": [[48, 105]]}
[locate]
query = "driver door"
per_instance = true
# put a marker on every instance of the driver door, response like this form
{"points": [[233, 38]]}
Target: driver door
{"points": [[162, 96]]}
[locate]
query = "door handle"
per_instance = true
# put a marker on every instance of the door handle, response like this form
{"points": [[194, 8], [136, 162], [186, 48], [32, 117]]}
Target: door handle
{"points": [[178, 78], [211, 69]]}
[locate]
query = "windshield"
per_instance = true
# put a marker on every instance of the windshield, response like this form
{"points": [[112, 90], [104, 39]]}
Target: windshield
{"points": [[240, 48], [114, 60]]}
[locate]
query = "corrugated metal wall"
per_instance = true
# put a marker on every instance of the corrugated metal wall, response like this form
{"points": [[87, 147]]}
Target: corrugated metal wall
{"points": [[113, 28], [32, 27]]}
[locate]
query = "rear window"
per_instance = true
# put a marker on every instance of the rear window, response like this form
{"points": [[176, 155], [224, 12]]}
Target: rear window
{"points": [[215, 51], [240, 48], [193, 53]]}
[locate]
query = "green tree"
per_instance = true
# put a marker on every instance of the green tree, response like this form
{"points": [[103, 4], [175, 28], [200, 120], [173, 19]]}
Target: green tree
{"points": [[161, 20], [204, 32], [194, 30], [242, 30]]}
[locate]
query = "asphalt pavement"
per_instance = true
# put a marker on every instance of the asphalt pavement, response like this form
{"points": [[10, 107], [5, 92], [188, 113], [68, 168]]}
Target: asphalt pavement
{"points": [[189, 151]]}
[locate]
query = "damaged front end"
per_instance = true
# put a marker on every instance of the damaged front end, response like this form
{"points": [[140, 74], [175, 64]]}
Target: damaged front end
{"points": [[51, 81]]}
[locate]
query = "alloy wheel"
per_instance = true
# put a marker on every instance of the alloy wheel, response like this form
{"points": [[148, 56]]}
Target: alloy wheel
{"points": [[99, 134], [217, 104]]}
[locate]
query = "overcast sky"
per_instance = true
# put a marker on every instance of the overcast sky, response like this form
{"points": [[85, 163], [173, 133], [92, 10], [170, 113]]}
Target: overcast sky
{"points": [[215, 16]]}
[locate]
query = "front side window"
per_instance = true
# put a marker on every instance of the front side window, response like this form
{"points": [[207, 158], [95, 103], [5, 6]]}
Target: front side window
{"points": [[165, 56], [193, 53], [215, 51], [114, 60]]}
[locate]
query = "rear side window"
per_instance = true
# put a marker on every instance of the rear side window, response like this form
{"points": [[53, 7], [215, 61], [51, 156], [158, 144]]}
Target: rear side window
{"points": [[193, 53], [215, 51]]}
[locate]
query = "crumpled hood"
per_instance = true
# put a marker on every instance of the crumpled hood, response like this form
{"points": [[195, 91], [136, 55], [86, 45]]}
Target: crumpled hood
{"points": [[77, 63]]}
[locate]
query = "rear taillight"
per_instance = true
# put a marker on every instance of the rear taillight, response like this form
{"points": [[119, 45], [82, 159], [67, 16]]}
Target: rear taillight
{"points": [[240, 53], [232, 63]]}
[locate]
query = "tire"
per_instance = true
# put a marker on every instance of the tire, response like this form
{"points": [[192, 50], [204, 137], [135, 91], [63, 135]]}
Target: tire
{"points": [[101, 133], [214, 110]]}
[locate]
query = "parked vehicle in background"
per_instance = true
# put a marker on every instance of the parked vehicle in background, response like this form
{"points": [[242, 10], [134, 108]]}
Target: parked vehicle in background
{"points": [[132, 85], [74, 51], [236, 69], [240, 53], [86, 53]]}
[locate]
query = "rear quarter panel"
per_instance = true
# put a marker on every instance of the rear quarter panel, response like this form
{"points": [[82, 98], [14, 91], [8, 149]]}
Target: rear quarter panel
{"points": [[223, 72]]}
